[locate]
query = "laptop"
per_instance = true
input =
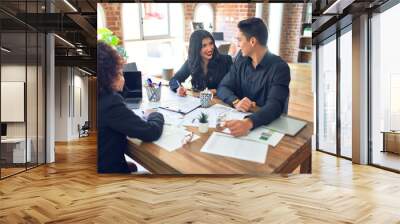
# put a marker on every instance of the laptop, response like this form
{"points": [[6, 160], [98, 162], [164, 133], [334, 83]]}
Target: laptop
{"points": [[287, 125], [132, 91]]}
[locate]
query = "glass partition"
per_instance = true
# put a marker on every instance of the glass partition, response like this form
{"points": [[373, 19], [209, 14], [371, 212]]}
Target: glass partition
{"points": [[327, 96]]}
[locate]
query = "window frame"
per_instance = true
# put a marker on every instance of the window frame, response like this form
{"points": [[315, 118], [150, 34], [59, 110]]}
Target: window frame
{"points": [[142, 35], [333, 37]]}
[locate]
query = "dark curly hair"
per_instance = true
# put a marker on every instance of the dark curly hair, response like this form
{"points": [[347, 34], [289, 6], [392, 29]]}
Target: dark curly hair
{"points": [[108, 64], [194, 57]]}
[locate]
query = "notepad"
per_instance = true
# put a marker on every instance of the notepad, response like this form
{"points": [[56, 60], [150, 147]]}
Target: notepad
{"points": [[184, 105]]}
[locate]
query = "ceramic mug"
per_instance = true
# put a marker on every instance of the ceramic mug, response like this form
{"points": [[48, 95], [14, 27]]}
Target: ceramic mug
{"points": [[206, 97]]}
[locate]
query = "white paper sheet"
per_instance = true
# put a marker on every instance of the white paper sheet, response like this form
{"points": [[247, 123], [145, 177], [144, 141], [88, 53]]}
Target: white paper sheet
{"points": [[172, 136], [226, 145], [182, 104], [170, 117], [261, 135]]}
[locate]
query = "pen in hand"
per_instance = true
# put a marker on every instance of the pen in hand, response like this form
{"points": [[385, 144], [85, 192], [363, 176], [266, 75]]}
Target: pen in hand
{"points": [[181, 90]]}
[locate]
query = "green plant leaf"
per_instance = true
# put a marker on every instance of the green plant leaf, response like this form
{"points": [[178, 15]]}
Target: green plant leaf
{"points": [[109, 38]]}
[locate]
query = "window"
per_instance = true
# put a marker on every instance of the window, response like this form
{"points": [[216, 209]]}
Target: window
{"points": [[159, 43], [327, 96], [131, 21], [204, 13], [346, 94], [145, 21], [385, 85], [155, 19], [22, 75], [101, 19]]}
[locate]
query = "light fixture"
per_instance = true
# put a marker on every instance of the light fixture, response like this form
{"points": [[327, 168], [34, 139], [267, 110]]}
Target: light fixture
{"points": [[70, 5], [64, 40], [5, 50], [86, 72]]}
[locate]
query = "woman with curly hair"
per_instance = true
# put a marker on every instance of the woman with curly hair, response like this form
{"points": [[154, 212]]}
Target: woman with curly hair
{"points": [[115, 120], [206, 66]]}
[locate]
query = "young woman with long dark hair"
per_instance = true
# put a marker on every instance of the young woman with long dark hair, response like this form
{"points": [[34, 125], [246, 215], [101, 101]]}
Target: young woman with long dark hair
{"points": [[205, 65]]}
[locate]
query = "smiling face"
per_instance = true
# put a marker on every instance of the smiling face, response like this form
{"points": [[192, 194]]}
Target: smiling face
{"points": [[246, 45], [207, 48]]}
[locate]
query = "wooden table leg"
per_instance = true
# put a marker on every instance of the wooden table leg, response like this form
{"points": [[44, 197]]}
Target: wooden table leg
{"points": [[305, 167]]}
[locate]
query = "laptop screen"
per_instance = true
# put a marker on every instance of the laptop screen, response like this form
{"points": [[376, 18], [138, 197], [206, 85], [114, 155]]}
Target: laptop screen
{"points": [[133, 85]]}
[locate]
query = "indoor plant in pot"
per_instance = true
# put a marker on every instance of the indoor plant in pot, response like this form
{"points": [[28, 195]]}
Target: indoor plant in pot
{"points": [[203, 123]]}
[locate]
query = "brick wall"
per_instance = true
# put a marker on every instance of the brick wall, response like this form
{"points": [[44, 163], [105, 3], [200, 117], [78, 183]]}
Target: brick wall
{"points": [[228, 16], [291, 31], [112, 13], [189, 14], [265, 13]]}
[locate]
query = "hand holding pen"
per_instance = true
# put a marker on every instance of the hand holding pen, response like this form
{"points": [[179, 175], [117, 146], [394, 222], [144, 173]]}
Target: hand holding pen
{"points": [[181, 90]]}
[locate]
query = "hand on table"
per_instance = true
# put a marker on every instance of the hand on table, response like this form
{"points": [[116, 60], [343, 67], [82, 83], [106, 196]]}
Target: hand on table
{"points": [[245, 105], [239, 127], [213, 91], [147, 112]]}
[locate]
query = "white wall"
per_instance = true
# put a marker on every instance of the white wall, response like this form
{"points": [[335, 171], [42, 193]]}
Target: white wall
{"points": [[33, 127], [71, 93], [274, 27], [14, 73]]}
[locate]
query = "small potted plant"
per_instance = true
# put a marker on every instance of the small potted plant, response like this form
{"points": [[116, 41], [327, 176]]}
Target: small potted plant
{"points": [[203, 123]]}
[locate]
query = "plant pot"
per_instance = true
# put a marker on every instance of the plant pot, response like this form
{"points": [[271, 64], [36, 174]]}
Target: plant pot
{"points": [[203, 127]]}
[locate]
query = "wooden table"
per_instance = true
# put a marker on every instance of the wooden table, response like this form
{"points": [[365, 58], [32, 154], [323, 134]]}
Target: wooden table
{"points": [[289, 154], [391, 141]]}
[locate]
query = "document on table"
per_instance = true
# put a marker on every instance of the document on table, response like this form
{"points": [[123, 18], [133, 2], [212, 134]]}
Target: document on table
{"points": [[170, 117], [229, 146], [172, 136], [261, 135], [184, 105]]}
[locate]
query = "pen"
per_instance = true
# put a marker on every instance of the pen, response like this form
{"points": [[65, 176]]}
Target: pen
{"points": [[179, 84], [149, 82]]}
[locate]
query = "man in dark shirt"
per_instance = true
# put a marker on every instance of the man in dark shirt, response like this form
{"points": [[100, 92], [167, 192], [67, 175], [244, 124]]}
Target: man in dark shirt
{"points": [[259, 79]]}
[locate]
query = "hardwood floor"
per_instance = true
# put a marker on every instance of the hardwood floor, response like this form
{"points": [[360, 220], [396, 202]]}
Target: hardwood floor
{"points": [[71, 191], [387, 159]]}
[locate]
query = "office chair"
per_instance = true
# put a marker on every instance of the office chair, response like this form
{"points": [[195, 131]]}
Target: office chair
{"points": [[84, 130], [224, 48], [218, 35]]}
